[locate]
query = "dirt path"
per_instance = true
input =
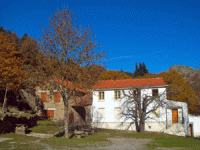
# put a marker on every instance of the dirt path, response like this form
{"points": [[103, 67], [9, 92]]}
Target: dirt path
{"points": [[5, 139], [125, 144], [117, 143]]}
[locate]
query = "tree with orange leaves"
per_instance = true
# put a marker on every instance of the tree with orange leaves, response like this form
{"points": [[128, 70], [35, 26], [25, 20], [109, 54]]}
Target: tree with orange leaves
{"points": [[179, 90], [11, 73], [68, 49], [113, 75]]}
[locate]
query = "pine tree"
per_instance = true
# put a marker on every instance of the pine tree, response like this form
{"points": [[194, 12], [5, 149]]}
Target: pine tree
{"points": [[144, 69], [141, 71], [136, 70], [24, 37]]}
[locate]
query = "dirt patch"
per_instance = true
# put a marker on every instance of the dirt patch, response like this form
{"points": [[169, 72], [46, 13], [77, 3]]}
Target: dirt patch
{"points": [[40, 135], [125, 143], [5, 139]]}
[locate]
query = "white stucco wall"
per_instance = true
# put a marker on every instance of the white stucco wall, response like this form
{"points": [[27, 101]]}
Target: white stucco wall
{"points": [[151, 123], [182, 114], [109, 104], [195, 121]]}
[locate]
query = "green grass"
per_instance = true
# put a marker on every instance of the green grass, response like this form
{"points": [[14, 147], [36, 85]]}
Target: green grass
{"points": [[19, 142], [91, 140], [97, 139], [168, 141], [47, 126], [159, 140]]}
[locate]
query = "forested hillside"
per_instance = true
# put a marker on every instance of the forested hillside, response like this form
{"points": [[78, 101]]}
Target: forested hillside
{"points": [[23, 70], [191, 76]]}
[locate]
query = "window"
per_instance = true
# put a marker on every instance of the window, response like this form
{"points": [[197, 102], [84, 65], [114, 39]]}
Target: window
{"points": [[117, 113], [49, 114], [156, 112], [101, 112], [101, 96], [43, 97], [57, 97], [117, 95], [134, 94], [155, 92]]}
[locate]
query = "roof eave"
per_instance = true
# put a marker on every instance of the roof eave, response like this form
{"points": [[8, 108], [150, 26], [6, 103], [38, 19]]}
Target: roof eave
{"points": [[126, 88]]}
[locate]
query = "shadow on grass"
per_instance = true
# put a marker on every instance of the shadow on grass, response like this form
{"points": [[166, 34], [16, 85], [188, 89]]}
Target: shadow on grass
{"points": [[62, 133], [195, 138], [28, 131]]}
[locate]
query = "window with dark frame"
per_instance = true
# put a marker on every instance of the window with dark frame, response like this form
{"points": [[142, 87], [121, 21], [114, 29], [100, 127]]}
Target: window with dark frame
{"points": [[101, 96], [117, 95], [154, 92], [134, 94]]}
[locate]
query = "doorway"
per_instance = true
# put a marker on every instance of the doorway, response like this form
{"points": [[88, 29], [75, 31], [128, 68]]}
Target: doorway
{"points": [[71, 117], [174, 116], [191, 129]]}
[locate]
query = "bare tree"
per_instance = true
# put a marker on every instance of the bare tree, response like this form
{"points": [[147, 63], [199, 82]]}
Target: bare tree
{"points": [[68, 51], [139, 104]]}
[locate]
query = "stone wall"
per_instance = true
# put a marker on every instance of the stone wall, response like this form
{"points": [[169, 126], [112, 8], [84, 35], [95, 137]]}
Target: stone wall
{"points": [[58, 107]]}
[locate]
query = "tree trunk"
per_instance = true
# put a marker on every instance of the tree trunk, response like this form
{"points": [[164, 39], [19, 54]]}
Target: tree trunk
{"points": [[5, 107], [137, 126], [66, 118], [142, 122]]}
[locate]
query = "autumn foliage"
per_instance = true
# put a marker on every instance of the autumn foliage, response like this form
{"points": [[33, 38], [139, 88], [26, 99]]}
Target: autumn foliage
{"points": [[113, 75], [11, 73], [69, 52], [179, 90]]}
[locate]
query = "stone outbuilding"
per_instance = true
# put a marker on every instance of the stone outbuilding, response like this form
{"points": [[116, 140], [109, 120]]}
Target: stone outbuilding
{"points": [[53, 105]]}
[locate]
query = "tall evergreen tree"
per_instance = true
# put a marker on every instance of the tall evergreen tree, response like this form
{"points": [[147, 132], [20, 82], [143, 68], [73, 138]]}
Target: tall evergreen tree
{"points": [[24, 37], [141, 70], [144, 68], [136, 70]]}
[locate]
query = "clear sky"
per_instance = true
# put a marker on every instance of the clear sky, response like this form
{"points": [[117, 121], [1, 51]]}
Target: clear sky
{"points": [[160, 33]]}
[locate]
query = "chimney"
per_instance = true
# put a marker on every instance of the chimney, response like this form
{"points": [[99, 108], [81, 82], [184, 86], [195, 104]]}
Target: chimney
{"points": [[114, 78]]}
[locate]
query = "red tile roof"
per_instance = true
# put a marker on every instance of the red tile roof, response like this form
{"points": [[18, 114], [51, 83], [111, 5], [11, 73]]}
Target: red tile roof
{"points": [[68, 84], [128, 83]]}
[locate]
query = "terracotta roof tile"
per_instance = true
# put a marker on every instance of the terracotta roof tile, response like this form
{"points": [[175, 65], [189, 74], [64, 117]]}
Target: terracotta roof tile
{"points": [[68, 84], [128, 83]]}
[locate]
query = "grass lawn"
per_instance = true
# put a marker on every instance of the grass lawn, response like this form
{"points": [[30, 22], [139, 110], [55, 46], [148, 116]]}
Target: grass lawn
{"points": [[47, 126], [97, 139]]}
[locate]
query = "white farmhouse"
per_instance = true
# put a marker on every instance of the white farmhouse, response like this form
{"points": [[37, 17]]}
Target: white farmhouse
{"points": [[108, 106]]}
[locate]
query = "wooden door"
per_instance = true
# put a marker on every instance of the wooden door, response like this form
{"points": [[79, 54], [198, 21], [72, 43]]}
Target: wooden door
{"points": [[174, 116], [71, 118], [191, 129], [50, 114]]}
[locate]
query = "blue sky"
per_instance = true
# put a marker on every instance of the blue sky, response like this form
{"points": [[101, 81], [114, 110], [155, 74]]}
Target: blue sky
{"points": [[160, 33]]}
